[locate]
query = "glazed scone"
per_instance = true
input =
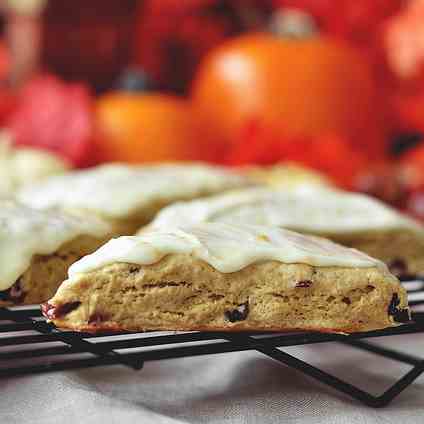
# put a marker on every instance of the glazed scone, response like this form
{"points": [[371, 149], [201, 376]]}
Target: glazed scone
{"points": [[19, 166], [354, 220], [286, 175], [129, 196], [216, 276], [37, 248]]}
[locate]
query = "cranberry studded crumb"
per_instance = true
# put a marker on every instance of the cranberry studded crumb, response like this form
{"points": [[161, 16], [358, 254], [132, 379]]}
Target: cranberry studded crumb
{"points": [[238, 314], [51, 312], [97, 318], [303, 284], [14, 294], [48, 310]]}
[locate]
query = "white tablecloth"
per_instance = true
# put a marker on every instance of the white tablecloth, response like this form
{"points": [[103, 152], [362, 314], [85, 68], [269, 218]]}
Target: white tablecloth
{"points": [[244, 387]]}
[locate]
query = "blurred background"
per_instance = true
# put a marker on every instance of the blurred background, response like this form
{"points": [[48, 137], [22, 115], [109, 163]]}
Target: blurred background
{"points": [[334, 86]]}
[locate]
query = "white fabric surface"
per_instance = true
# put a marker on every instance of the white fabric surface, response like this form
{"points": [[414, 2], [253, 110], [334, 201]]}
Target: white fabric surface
{"points": [[244, 387]]}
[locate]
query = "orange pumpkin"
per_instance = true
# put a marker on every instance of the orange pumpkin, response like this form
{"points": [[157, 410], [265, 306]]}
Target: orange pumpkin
{"points": [[306, 86], [146, 128]]}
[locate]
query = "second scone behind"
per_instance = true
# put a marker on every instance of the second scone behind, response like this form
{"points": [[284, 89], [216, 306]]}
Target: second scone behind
{"points": [[129, 196], [352, 219]]}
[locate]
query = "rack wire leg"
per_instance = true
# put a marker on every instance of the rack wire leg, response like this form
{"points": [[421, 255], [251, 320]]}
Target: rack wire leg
{"points": [[334, 382]]}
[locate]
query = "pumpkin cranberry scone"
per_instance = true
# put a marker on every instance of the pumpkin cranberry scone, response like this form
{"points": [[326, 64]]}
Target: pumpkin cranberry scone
{"points": [[37, 248], [20, 166], [226, 277], [351, 219], [129, 196], [286, 174]]}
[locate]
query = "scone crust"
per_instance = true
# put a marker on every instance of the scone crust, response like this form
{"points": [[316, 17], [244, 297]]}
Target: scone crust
{"points": [[287, 174], [141, 207], [137, 220], [184, 293], [46, 272], [389, 246]]}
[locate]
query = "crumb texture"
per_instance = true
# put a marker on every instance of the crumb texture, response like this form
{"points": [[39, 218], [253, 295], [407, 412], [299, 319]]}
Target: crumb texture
{"points": [[46, 272], [184, 293], [403, 246]]}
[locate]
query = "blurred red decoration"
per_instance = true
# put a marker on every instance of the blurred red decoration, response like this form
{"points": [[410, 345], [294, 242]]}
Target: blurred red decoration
{"points": [[404, 49], [88, 40], [4, 62], [7, 104], [7, 96], [173, 35], [404, 40], [408, 106], [330, 154], [412, 167], [56, 116], [175, 6], [356, 20]]}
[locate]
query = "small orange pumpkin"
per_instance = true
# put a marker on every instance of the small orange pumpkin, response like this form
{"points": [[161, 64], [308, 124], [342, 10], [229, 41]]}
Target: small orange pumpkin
{"points": [[305, 86], [146, 128]]}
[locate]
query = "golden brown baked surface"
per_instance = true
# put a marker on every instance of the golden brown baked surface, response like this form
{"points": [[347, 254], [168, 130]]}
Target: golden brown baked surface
{"points": [[285, 175], [402, 249], [46, 272], [184, 293]]}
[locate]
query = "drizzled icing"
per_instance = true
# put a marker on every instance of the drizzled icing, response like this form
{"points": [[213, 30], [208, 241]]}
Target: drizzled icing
{"points": [[117, 190], [26, 232], [227, 248], [19, 166], [303, 208]]}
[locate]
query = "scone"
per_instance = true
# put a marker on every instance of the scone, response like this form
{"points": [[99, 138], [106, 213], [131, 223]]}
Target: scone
{"points": [[354, 220], [37, 248], [19, 166], [129, 196], [216, 276], [286, 174]]}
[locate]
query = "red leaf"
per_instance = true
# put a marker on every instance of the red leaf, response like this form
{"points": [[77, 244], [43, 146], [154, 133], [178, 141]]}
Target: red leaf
{"points": [[56, 116], [332, 155]]}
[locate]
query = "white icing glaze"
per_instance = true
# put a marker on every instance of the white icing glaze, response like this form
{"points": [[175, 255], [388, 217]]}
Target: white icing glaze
{"points": [[303, 208], [25, 232], [228, 248], [19, 166], [117, 190]]}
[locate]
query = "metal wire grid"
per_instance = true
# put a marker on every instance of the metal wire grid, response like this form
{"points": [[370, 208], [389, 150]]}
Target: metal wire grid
{"points": [[28, 344]]}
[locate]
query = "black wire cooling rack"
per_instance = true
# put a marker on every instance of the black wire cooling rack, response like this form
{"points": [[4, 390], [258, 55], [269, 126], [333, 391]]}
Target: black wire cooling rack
{"points": [[28, 345]]}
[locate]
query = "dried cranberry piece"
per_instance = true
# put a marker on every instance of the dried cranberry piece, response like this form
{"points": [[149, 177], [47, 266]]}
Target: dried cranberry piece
{"points": [[303, 284], [13, 294], [238, 314], [51, 312]]}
